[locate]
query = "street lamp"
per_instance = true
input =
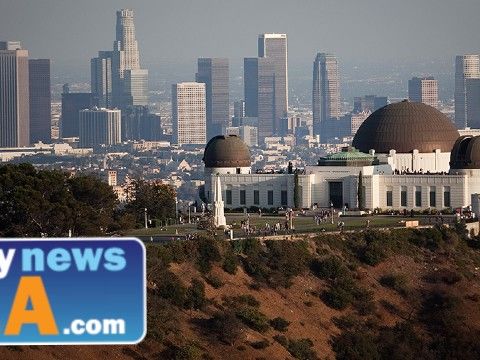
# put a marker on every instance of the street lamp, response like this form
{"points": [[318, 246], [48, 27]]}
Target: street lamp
{"points": [[146, 225], [331, 210], [189, 205]]}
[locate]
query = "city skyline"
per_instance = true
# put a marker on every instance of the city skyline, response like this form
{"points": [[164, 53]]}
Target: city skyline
{"points": [[391, 41]]}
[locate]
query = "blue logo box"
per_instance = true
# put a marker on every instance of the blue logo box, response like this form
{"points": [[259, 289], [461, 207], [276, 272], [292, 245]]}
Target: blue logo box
{"points": [[72, 291]]}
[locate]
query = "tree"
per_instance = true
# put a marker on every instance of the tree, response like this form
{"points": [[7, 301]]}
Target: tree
{"points": [[296, 192], [158, 199], [50, 203], [360, 195], [94, 206]]}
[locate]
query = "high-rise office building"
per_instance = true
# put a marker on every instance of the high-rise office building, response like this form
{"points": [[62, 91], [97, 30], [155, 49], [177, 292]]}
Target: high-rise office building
{"points": [[239, 109], [139, 124], [424, 90], [274, 47], [259, 93], [72, 103], [473, 103], [466, 67], [40, 100], [101, 78], [99, 127], [136, 87], [14, 95], [325, 91], [214, 73], [369, 103], [189, 113], [125, 56]]}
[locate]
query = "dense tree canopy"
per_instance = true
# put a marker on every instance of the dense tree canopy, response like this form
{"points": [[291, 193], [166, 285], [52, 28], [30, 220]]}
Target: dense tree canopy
{"points": [[51, 203], [158, 199]]}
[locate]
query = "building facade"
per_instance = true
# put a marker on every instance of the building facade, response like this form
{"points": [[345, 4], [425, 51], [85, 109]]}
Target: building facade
{"points": [[189, 113], [127, 89], [369, 103], [40, 101], [214, 73], [259, 92], [101, 78], [466, 67], [99, 127], [274, 47], [14, 96], [325, 92], [473, 103], [136, 87], [396, 179], [424, 90], [72, 103]]}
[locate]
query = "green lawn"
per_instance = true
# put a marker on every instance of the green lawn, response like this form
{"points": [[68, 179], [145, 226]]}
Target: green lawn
{"points": [[301, 224]]}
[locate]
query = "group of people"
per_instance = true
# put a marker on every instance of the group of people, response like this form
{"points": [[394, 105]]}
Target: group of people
{"points": [[322, 217], [266, 230]]}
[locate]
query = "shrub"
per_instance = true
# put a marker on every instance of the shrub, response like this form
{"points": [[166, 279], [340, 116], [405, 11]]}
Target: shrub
{"points": [[337, 298], [344, 291], [396, 282], [363, 301], [281, 339], [340, 294], [302, 349], [253, 318], [188, 352], [171, 288], [214, 281], [446, 276], [289, 258], [208, 253], [226, 326], [230, 263], [356, 345], [279, 324], [195, 295], [430, 238], [261, 344], [374, 253], [240, 300], [329, 268]]}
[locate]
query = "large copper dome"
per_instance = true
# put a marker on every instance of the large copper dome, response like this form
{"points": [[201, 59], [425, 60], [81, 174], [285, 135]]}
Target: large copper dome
{"points": [[466, 153], [226, 151], [404, 127]]}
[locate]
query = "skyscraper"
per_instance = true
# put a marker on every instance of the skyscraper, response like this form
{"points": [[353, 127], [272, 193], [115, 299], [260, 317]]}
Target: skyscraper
{"points": [[473, 103], [466, 67], [326, 92], [214, 73], [14, 96], [259, 92], [136, 87], [189, 113], [40, 100], [424, 90], [99, 127], [72, 103], [369, 103], [101, 78], [125, 56], [274, 47]]}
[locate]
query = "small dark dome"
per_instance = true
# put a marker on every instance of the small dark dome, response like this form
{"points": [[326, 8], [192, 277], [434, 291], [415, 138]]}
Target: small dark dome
{"points": [[466, 153], [404, 127], [226, 151]]}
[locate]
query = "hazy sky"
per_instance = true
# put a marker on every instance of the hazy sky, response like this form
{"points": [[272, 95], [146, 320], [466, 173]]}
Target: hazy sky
{"points": [[72, 31]]}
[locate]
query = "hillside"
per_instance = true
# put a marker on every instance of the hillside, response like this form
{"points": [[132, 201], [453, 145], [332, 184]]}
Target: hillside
{"points": [[399, 294]]}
